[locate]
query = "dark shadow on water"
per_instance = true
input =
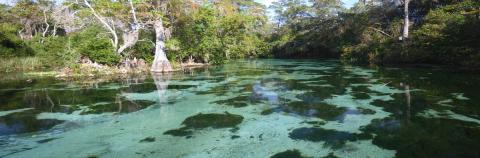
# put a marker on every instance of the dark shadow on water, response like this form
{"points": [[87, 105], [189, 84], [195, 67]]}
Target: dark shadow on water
{"points": [[332, 138], [25, 122]]}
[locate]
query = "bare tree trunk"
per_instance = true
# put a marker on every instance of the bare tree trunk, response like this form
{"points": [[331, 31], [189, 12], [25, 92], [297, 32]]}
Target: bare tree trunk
{"points": [[406, 21], [105, 24], [46, 28], [21, 34], [134, 15], [160, 62], [28, 30], [54, 33], [130, 38]]}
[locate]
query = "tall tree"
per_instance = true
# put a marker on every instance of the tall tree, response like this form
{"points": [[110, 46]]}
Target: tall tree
{"points": [[154, 12], [406, 21], [116, 16], [29, 15]]}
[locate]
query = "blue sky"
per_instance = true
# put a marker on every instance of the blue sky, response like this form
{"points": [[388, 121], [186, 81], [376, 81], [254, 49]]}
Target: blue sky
{"points": [[346, 3]]}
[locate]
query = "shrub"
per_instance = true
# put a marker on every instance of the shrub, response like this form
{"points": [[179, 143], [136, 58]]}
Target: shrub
{"points": [[92, 44], [10, 44], [144, 48], [450, 35], [100, 51]]}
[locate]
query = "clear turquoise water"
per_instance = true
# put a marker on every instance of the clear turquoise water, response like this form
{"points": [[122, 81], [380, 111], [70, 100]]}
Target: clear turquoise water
{"points": [[260, 108]]}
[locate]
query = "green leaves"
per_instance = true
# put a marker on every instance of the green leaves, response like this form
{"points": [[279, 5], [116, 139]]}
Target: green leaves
{"points": [[95, 47], [213, 35]]}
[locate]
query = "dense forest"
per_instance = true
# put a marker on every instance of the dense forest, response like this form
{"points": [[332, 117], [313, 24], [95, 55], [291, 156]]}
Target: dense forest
{"points": [[444, 32], [53, 35]]}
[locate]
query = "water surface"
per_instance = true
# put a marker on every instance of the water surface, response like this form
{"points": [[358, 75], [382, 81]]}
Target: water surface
{"points": [[259, 108]]}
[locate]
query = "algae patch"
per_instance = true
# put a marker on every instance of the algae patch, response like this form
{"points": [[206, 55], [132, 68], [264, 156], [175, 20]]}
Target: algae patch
{"points": [[331, 138], [239, 101], [288, 154], [147, 140], [125, 106], [320, 110], [201, 121]]}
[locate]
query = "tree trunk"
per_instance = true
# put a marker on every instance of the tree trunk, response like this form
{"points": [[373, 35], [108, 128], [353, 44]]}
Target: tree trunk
{"points": [[106, 25], [406, 21], [160, 62], [54, 33], [46, 28], [28, 30], [20, 33], [129, 39]]}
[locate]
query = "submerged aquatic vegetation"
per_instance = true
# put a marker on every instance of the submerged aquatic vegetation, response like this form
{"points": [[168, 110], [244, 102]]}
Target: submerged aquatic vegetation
{"points": [[366, 111], [184, 131], [288, 154], [331, 138], [361, 95], [46, 140], [426, 137], [124, 106], [147, 140], [201, 121], [239, 101], [267, 111], [330, 155], [320, 110]]}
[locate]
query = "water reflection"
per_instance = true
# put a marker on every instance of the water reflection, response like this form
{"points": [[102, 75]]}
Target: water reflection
{"points": [[161, 82], [19, 108], [408, 100]]}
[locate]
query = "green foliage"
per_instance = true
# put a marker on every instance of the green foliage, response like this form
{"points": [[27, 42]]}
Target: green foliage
{"points": [[144, 48], [443, 32], [99, 51], [208, 37], [91, 44], [10, 44], [451, 35], [50, 50], [212, 32], [13, 64]]}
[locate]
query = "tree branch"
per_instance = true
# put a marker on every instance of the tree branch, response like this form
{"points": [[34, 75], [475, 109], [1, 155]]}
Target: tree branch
{"points": [[382, 32], [105, 24], [46, 22]]}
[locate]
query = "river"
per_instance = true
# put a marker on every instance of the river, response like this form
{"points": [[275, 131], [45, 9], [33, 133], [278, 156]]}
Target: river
{"points": [[247, 108]]}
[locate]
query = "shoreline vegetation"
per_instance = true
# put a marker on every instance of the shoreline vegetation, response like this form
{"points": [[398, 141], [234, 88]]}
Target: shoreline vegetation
{"points": [[91, 38], [90, 69]]}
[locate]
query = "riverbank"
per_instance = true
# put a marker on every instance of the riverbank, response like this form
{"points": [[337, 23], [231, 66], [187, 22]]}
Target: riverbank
{"points": [[32, 67]]}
